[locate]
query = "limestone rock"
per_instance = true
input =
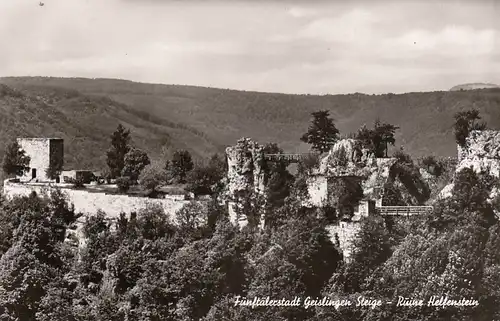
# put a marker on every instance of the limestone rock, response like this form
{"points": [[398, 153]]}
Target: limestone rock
{"points": [[377, 174], [344, 158], [245, 168], [480, 144], [481, 153]]}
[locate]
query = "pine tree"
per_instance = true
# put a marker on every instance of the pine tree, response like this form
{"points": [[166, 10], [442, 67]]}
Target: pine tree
{"points": [[181, 165], [322, 133], [15, 161], [119, 148]]}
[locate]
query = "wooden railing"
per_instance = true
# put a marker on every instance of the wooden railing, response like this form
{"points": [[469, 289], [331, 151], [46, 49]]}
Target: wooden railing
{"points": [[403, 210], [286, 157]]}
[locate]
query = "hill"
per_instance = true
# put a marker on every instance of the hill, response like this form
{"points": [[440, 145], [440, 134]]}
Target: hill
{"points": [[204, 120], [473, 86], [86, 122]]}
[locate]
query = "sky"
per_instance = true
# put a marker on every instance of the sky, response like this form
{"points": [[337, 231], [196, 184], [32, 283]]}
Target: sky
{"points": [[289, 46]]}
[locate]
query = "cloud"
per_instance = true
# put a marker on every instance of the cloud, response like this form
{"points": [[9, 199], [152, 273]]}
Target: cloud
{"points": [[286, 46]]}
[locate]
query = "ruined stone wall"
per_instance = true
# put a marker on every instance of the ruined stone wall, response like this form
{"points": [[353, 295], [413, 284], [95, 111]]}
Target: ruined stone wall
{"points": [[317, 187], [343, 235], [372, 173], [90, 202]]}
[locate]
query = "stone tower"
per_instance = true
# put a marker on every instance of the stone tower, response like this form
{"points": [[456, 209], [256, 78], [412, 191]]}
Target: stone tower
{"points": [[42, 152]]}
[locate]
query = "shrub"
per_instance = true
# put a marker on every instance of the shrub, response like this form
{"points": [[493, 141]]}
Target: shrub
{"points": [[106, 175], [77, 183], [123, 184], [432, 165], [308, 163], [151, 177]]}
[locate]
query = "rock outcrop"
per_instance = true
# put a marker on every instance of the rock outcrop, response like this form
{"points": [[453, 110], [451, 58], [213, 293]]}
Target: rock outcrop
{"points": [[245, 169], [245, 180], [481, 153]]}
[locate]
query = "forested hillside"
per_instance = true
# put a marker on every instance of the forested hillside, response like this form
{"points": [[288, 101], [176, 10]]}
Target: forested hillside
{"points": [[85, 122], [205, 120]]}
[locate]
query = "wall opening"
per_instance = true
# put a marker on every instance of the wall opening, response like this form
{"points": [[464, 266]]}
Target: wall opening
{"points": [[33, 173]]}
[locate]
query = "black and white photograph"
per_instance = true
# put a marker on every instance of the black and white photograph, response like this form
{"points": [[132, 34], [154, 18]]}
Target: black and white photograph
{"points": [[250, 160]]}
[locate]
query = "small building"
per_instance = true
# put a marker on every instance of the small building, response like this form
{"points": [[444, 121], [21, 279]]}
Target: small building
{"points": [[85, 176], [43, 153]]}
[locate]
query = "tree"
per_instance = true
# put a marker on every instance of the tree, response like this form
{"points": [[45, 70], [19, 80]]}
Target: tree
{"points": [[192, 220], [204, 178], [468, 203], [181, 164], [36, 256], [219, 164], [201, 180], [377, 140], [134, 162], [345, 194], [406, 172], [465, 122], [386, 134], [15, 161], [322, 133], [296, 259], [119, 148], [151, 177]]}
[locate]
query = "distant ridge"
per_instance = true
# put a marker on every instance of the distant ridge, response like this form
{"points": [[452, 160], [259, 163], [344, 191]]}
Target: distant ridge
{"points": [[163, 118], [472, 86]]}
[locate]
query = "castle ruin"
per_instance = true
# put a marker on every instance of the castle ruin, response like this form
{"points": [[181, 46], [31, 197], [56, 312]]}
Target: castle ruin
{"points": [[346, 161], [43, 153]]}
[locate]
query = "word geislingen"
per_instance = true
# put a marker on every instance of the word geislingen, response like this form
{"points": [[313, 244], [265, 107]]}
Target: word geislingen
{"points": [[307, 302]]}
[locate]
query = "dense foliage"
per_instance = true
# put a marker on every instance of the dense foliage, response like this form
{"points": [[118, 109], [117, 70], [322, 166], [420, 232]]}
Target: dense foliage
{"points": [[134, 162], [465, 122], [150, 267], [205, 178], [15, 161], [377, 139], [151, 177], [180, 165]]}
